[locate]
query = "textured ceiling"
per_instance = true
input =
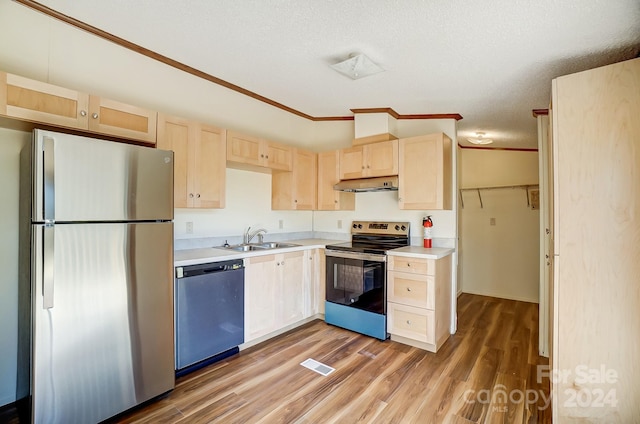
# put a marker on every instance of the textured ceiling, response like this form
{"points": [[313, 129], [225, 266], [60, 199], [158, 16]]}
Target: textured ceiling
{"points": [[491, 61]]}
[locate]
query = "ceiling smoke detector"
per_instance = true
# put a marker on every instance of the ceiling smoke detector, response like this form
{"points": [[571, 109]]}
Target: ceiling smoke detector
{"points": [[479, 139], [357, 66]]}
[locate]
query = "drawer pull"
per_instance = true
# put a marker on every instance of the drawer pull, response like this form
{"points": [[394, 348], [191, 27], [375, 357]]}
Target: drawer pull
{"points": [[409, 289], [408, 322], [408, 264]]}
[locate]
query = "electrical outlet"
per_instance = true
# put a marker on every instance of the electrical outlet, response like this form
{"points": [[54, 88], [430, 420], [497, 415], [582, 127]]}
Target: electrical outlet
{"points": [[189, 227], [339, 223], [492, 221], [281, 224]]}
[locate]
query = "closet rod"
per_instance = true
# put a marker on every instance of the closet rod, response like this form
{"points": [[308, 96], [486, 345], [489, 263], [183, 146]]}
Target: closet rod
{"points": [[525, 186], [477, 189]]}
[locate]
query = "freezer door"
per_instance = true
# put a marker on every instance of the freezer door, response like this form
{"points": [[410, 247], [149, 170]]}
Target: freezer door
{"points": [[103, 328], [80, 179]]}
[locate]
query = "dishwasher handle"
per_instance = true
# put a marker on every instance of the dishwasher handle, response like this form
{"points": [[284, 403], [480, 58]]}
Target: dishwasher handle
{"points": [[208, 268]]}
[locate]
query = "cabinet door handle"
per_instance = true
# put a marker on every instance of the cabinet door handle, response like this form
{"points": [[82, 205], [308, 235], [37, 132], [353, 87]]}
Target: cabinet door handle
{"points": [[94, 115], [191, 195], [83, 113], [198, 195], [408, 264], [408, 289], [266, 156], [362, 166], [408, 322]]}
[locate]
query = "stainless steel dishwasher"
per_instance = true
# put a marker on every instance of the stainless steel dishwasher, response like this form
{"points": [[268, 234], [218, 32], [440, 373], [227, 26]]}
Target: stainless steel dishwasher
{"points": [[209, 313]]}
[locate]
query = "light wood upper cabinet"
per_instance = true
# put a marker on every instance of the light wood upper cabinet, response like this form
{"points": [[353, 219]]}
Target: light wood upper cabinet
{"points": [[277, 156], [36, 101], [425, 172], [39, 102], [247, 150], [244, 149], [369, 160], [122, 120], [328, 175], [199, 161], [296, 189]]}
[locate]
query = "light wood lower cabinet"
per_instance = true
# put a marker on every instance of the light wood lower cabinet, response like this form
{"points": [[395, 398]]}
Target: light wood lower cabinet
{"points": [[419, 300], [199, 161], [274, 291], [314, 282], [36, 101]]}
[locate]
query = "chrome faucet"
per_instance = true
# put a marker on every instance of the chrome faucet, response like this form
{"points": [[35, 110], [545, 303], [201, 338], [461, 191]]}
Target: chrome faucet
{"points": [[248, 236]]}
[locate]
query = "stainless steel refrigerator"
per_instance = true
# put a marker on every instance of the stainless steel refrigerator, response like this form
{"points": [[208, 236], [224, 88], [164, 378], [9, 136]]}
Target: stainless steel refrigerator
{"points": [[96, 290]]}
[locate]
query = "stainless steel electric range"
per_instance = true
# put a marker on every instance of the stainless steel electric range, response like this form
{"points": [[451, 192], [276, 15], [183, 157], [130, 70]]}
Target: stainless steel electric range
{"points": [[356, 284]]}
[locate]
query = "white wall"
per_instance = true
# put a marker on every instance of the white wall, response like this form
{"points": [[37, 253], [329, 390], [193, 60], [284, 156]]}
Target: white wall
{"points": [[248, 203], [11, 142], [500, 260]]}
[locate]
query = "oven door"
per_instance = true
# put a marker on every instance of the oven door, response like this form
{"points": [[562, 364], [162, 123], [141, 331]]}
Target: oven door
{"points": [[358, 280]]}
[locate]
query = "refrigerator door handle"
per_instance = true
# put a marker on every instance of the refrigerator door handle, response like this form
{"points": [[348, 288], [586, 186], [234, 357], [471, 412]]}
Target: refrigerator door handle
{"points": [[48, 194], [48, 266]]}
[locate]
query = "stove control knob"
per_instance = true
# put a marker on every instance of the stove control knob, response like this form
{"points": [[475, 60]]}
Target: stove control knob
{"points": [[355, 225], [397, 227], [360, 226], [404, 227]]}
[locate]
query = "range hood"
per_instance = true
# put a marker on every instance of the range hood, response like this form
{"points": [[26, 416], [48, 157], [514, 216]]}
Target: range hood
{"points": [[368, 184]]}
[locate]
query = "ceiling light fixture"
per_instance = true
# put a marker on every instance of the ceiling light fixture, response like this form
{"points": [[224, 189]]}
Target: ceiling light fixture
{"points": [[479, 139], [357, 66]]}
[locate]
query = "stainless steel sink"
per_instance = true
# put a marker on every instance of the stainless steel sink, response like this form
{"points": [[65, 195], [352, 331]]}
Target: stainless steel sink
{"points": [[244, 247], [258, 246], [277, 245]]}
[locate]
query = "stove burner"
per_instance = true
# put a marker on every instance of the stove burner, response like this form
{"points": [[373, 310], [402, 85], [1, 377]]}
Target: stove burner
{"points": [[375, 237]]}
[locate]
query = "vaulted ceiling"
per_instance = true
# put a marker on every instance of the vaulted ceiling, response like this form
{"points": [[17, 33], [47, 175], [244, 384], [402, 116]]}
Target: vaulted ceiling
{"points": [[490, 61]]}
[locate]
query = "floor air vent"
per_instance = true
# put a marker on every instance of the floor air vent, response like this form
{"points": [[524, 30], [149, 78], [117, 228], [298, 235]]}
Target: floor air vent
{"points": [[318, 367]]}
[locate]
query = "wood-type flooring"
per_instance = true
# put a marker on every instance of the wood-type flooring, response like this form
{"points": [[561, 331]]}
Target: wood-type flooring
{"points": [[486, 373]]}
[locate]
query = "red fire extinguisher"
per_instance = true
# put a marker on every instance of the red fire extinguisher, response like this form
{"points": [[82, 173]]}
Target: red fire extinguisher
{"points": [[427, 223]]}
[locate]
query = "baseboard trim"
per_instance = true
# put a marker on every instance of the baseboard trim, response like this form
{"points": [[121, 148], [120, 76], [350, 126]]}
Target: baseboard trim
{"points": [[501, 296]]}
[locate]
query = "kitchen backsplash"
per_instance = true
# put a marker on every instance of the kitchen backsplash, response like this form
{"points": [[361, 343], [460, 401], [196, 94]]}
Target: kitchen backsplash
{"points": [[204, 242]]}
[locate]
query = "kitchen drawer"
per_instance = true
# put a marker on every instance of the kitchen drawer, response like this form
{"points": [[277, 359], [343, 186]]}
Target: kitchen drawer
{"points": [[411, 322], [411, 289], [413, 265]]}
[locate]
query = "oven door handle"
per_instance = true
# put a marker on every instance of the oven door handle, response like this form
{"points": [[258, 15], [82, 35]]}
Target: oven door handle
{"points": [[356, 255]]}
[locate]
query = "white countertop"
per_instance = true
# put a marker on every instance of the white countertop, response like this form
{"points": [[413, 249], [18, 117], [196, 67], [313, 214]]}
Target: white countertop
{"points": [[215, 254], [421, 252]]}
